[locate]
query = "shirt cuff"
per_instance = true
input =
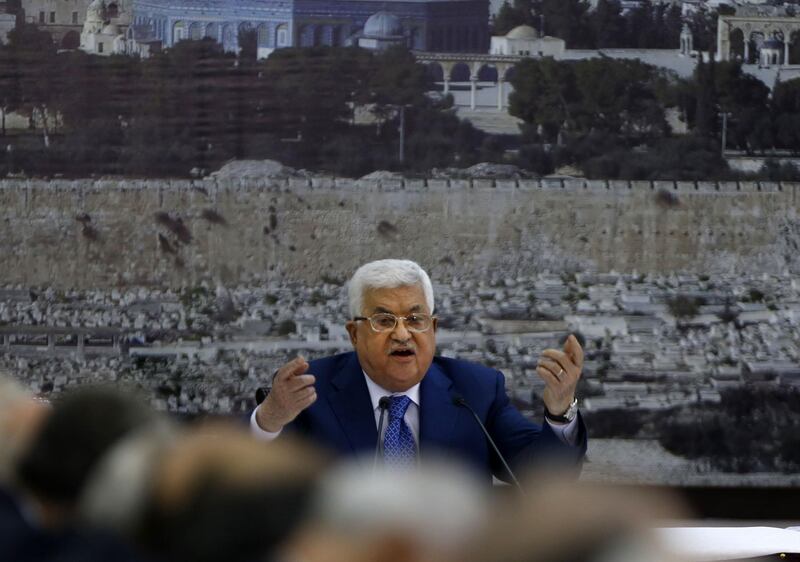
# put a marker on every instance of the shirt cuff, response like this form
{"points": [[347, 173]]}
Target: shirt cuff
{"points": [[259, 433], [567, 433]]}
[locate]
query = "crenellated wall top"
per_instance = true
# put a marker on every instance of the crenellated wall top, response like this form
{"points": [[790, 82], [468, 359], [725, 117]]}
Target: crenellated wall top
{"points": [[402, 184]]}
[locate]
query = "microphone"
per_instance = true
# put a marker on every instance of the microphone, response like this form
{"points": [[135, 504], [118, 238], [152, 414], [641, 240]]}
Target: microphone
{"points": [[383, 404], [458, 400]]}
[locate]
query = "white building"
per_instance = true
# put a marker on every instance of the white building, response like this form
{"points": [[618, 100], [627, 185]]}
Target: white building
{"points": [[525, 41], [109, 32], [7, 22], [381, 31]]}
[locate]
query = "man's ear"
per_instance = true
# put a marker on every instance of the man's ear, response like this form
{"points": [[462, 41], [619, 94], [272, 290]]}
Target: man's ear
{"points": [[352, 329], [435, 323]]}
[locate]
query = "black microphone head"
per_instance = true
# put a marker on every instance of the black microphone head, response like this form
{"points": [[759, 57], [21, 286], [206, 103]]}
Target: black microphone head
{"points": [[458, 400], [384, 402]]}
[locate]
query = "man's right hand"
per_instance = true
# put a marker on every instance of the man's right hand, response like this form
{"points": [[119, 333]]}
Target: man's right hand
{"points": [[292, 392]]}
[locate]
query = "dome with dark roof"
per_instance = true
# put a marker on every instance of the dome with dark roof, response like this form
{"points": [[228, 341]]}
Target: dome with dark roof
{"points": [[383, 25], [523, 32]]}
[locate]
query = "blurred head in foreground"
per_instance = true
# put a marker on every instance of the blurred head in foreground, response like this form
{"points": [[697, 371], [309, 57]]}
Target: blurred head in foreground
{"points": [[565, 521], [20, 417], [83, 426], [366, 515], [220, 495]]}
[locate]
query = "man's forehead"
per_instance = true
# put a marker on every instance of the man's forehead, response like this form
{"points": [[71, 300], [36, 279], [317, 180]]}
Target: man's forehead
{"points": [[410, 298]]}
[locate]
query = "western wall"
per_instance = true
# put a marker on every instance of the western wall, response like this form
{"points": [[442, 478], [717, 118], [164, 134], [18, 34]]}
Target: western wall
{"points": [[107, 233]]}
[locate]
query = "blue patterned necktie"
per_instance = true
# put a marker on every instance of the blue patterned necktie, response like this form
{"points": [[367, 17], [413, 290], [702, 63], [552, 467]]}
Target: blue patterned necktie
{"points": [[399, 447]]}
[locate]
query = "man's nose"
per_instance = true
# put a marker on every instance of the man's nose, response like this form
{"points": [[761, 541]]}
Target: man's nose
{"points": [[400, 332]]}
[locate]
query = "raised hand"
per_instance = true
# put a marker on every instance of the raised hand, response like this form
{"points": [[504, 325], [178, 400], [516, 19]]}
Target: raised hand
{"points": [[292, 392], [560, 371]]}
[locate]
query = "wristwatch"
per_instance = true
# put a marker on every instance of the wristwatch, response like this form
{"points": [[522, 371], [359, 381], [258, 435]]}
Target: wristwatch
{"points": [[566, 417]]}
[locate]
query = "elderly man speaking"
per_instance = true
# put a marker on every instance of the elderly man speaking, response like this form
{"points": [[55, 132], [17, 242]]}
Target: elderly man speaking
{"points": [[392, 398]]}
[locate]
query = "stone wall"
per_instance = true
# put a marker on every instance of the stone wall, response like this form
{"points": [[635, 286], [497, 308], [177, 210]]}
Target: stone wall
{"points": [[101, 233]]}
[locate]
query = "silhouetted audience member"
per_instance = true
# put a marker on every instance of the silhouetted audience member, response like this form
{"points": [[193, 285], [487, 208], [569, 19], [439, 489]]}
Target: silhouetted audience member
{"points": [[565, 521], [53, 470], [21, 414], [382, 515], [219, 495]]}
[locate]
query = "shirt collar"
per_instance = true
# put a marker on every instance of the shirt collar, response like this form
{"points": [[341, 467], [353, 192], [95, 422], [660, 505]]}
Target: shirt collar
{"points": [[376, 392]]}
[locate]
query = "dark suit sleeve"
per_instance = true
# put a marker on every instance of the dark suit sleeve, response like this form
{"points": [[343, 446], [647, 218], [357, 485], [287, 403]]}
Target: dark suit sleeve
{"points": [[525, 444]]}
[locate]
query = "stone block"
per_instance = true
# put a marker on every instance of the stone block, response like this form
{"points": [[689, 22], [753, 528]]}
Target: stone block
{"points": [[414, 184], [597, 185], [574, 184], [529, 185], [391, 184], [483, 183], [322, 182], [438, 185], [551, 183], [505, 185], [345, 183]]}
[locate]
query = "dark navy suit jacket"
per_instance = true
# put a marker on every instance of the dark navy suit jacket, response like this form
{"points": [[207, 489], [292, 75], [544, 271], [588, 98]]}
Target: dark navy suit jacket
{"points": [[343, 419]]}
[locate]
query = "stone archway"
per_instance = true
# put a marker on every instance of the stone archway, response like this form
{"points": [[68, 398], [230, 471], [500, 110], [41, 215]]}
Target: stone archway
{"points": [[71, 40], [262, 36], [737, 45], [196, 31], [179, 31], [755, 30], [212, 31]]}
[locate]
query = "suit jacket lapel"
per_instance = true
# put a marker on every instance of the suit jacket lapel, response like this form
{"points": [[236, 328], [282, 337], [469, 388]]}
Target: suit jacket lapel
{"points": [[438, 414], [352, 406]]}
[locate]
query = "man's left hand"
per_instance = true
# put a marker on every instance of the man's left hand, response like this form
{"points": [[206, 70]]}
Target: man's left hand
{"points": [[560, 371]]}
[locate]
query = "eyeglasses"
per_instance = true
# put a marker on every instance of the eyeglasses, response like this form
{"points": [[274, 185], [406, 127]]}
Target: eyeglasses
{"points": [[386, 322]]}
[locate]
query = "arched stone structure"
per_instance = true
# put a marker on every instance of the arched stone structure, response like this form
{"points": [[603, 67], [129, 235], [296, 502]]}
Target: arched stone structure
{"points": [[71, 40], [180, 31], [452, 65], [768, 27], [262, 35], [212, 31], [196, 31], [229, 38]]}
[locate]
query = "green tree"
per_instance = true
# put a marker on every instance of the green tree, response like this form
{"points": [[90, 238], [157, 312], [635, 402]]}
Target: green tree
{"points": [[545, 94], [32, 54], [567, 19], [619, 96], [785, 109], [508, 17], [608, 24]]}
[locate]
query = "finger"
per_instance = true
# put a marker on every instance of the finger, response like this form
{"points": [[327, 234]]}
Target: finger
{"points": [[309, 398], [300, 381], [296, 366], [548, 377], [556, 355], [551, 365], [559, 357], [574, 350]]}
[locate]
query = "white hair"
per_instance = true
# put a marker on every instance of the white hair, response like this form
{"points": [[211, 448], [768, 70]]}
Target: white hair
{"points": [[437, 504], [387, 274]]}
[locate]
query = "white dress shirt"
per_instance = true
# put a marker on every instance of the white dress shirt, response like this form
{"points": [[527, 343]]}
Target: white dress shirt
{"points": [[566, 432]]}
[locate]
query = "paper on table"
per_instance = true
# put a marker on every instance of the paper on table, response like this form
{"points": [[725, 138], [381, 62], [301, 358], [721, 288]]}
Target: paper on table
{"points": [[728, 543]]}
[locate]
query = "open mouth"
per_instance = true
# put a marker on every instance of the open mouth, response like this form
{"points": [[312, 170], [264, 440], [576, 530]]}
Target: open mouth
{"points": [[402, 352]]}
